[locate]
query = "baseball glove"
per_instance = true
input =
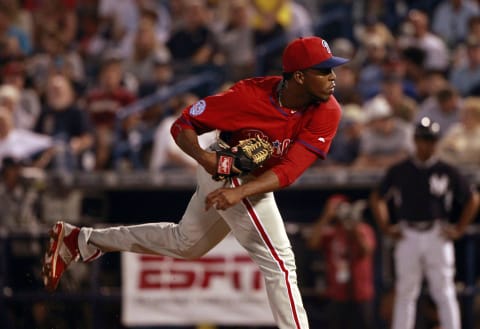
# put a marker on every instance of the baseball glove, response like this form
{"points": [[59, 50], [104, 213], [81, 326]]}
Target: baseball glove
{"points": [[242, 158]]}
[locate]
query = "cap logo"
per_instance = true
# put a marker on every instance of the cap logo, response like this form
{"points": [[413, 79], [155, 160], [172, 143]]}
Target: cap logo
{"points": [[326, 46]]}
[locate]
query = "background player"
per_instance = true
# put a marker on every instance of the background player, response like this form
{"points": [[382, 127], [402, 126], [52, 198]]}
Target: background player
{"points": [[424, 193], [298, 115]]}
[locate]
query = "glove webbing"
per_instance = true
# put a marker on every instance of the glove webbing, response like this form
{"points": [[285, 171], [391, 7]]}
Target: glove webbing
{"points": [[256, 151]]}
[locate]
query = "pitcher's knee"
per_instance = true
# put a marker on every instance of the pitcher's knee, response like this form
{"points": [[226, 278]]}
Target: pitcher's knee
{"points": [[192, 254], [188, 252]]}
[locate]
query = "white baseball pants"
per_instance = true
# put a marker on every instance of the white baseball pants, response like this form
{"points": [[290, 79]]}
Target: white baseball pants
{"points": [[428, 253], [256, 223]]}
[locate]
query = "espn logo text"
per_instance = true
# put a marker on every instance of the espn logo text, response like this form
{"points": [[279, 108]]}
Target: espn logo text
{"points": [[238, 273]]}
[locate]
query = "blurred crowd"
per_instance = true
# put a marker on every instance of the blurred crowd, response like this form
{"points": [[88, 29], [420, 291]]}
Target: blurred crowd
{"points": [[72, 71], [75, 76]]}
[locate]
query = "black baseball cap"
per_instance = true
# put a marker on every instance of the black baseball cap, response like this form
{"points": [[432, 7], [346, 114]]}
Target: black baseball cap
{"points": [[427, 129]]}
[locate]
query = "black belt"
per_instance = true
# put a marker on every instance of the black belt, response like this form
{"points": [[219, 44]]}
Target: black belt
{"points": [[420, 226]]}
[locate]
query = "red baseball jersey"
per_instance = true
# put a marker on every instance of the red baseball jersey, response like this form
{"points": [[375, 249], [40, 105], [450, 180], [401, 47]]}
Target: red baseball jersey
{"points": [[250, 108]]}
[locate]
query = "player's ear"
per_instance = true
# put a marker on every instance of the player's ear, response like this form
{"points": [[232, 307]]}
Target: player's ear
{"points": [[298, 76]]}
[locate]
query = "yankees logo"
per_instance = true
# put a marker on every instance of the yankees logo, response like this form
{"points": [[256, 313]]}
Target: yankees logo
{"points": [[438, 184]]}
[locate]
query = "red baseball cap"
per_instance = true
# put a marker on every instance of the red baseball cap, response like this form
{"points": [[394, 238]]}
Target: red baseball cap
{"points": [[309, 52]]}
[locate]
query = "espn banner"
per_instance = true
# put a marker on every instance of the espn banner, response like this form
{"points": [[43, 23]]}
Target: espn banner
{"points": [[223, 287]]}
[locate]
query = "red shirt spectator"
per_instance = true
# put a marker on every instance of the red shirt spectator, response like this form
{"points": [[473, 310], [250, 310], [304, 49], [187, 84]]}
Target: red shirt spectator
{"points": [[110, 96], [349, 269], [103, 105]]}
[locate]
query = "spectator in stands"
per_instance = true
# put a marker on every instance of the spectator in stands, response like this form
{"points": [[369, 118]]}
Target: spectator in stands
{"points": [[23, 144], [372, 55], [237, 42], [193, 45], [347, 88], [20, 200], [392, 89], [163, 81], [162, 76], [21, 19], [267, 13], [429, 84], [166, 154], [444, 108], [271, 21], [417, 33], [346, 144], [55, 56], [344, 47], [348, 244], [396, 64], [65, 123], [373, 39], [460, 144], [55, 15], [466, 77], [450, 20], [474, 26], [313, 7], [176, 10], [158, 11], [391, 72], [112, 12], [10, 98], [128, 150], [88, 25], [372, 27], [14, 74], [302, 23], [103, 102], [146, 50], [106, 38], [13, 40], [20, 212], [385, 138], [414, 60]]}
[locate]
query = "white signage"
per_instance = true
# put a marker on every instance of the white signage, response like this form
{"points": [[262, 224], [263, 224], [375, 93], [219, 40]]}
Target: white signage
{"points": [[223, 287]]}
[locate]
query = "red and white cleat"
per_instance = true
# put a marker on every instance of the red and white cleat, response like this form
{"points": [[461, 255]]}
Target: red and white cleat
{"points": [[62, 250]]}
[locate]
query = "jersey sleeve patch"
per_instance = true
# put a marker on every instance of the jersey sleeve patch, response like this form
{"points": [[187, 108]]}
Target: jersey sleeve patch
{"points": [[198, 108]]}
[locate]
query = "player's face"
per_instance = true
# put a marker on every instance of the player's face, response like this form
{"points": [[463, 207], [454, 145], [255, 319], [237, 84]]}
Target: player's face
{"points": [[319, 83], [425, 148]]}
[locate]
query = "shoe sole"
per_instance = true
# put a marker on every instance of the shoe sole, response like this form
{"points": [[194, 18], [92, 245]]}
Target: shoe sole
{"points": [[51, 266]]}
